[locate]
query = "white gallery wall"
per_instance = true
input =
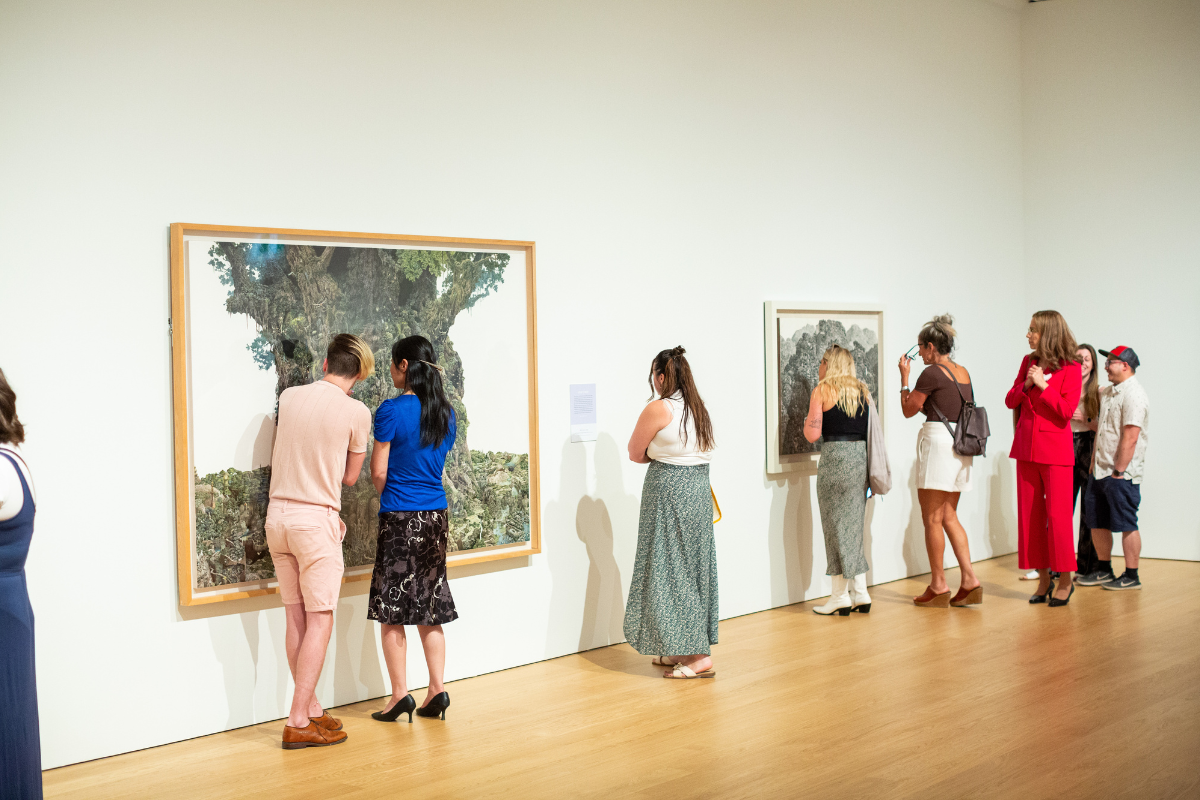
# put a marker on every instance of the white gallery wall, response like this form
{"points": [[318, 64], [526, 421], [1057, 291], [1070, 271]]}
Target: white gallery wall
{"points": [[1112, 212], [677, 164]]}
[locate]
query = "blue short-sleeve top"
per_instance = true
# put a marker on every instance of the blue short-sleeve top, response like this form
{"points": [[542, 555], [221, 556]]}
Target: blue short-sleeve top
{"points": [[414, 477]]}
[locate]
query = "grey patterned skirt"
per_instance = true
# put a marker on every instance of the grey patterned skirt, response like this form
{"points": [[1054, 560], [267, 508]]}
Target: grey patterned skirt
{"points": [[842, 497], [672, 608]]}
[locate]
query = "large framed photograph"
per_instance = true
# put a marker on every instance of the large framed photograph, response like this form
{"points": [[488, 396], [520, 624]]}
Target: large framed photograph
{"points": [[252, 312], [796, 335]]}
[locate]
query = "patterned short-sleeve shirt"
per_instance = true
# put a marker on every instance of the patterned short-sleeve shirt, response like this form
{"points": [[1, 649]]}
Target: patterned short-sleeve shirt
{"points": [[1122, 404]]}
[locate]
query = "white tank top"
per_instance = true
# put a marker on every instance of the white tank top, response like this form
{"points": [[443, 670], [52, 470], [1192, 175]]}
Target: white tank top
{"points": [[668, 446]]}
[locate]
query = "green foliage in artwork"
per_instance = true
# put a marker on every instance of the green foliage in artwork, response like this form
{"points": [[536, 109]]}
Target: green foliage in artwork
{"points": [[489, 505], [300, 296]]}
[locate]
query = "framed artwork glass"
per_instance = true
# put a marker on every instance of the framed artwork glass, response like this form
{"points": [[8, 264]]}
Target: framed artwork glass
{"points": [[252, 313], [796, 335]]}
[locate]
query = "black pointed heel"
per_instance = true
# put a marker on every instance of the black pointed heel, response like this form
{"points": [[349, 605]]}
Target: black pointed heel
{"points": [[1042, 598], [405, 706], [435, 707], [1055, 602]]}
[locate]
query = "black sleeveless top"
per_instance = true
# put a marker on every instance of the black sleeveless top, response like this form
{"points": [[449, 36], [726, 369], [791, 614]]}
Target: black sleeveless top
{"points": [[838, 426]]}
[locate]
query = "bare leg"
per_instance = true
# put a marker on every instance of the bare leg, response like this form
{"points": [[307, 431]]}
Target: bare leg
{"points": [[395, 653], [1062, 590], [433, 642], [958, 541], [1131, 545], [1043, 581], [932, 504], [309, 660], [297, 624], [1102, 539]]}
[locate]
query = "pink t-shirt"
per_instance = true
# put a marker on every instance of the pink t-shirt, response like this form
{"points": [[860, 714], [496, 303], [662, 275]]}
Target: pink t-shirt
{"points": [[318, 425]]}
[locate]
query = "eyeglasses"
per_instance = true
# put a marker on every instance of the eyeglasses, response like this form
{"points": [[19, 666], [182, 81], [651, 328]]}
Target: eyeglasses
{"points": [[913, 353]]}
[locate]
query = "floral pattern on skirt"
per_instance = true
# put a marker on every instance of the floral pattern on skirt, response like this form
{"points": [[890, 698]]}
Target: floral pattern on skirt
{"points": [[842, 498], [409, 584], [672, 608]]}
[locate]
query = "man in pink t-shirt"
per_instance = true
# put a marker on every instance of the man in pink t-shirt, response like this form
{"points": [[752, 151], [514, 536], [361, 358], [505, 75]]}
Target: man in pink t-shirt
{"points": [[320, 445]]}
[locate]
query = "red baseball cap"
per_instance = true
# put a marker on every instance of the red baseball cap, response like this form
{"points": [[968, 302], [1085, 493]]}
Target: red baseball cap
{"points": [[1122, 353]]}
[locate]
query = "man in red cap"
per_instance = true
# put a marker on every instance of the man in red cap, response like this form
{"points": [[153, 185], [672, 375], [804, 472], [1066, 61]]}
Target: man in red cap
{"points": [[1117, 465]]}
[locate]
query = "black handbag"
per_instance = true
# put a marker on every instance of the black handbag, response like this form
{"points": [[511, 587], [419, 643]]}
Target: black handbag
{"points": [[972, 431]]}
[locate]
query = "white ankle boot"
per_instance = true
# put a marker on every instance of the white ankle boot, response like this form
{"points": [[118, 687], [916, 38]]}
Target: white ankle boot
{"points": [[860, 601], [839, 600]]}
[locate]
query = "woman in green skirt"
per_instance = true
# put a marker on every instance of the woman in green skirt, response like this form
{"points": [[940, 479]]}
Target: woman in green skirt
{"points": [[838, 411], [672, 609]]}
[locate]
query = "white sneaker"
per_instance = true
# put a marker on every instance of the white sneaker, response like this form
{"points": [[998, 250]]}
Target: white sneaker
{"points": [[1032, 575], [860, 601], [839, 599]]}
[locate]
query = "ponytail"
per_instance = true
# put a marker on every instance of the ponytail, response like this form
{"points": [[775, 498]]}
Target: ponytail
{"points": [[677, 378], [424, 379]]}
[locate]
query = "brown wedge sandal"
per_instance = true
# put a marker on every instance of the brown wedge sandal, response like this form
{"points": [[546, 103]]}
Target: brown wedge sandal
{"points": [[930, 600], [967, 598]]}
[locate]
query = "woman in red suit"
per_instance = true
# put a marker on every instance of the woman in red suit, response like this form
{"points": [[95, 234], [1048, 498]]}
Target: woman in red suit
{"points": [[1044, 396]]}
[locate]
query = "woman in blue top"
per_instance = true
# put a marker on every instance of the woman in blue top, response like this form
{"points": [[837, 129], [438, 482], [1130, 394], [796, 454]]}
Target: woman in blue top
{"points": [[413, 434]]}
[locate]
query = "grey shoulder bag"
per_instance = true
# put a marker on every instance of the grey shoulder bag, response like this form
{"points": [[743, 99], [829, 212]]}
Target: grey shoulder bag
{"points": [[972, 431]]}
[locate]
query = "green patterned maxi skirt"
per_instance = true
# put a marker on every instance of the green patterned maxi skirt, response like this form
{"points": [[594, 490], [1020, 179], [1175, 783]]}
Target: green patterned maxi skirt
{"points": [[842, 498], [672, 608]]}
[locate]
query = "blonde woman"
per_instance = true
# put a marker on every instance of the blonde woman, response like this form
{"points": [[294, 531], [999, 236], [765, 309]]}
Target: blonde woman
{"points": [[837, 412]]}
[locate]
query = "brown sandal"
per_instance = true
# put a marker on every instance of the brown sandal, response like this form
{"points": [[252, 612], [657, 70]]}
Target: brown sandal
{"points": [[931, 600], [967, 598]]}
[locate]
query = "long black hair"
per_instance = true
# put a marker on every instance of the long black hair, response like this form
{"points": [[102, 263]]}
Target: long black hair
{"points": [[424, 379], [678, 378]]}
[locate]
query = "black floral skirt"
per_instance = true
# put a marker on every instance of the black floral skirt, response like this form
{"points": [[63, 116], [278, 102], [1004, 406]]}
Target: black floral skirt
{"points": [[409, 585]]}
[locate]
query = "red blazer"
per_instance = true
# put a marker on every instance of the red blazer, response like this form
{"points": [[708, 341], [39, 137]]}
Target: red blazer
{"points": [[1043, 433]]}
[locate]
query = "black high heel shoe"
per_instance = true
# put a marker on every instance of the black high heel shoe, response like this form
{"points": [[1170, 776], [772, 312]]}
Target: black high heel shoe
{"points": [[405, 706], [1055, 602], [1042, 598], [435, 707]]}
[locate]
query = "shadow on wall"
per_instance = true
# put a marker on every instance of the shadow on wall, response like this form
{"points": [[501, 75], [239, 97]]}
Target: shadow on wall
{"points": [[605, 523], [1002, 518], [604, 598], [351, 627], [912, 547], [790, 537]]}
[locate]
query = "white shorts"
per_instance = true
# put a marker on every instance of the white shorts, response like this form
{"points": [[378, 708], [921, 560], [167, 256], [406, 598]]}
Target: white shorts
{"points": [[938, 466]]}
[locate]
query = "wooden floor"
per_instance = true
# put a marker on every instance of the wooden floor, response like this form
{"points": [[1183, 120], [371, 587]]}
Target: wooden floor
{"points": [[1097, 699]]}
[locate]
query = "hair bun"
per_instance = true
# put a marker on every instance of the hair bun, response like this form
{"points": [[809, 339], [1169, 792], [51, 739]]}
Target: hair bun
{"points": [[678, 351], [944, 319]]}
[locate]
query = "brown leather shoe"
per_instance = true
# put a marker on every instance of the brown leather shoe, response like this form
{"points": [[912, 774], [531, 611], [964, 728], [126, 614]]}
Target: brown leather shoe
{"points": [[311, 735], [327, 722]]}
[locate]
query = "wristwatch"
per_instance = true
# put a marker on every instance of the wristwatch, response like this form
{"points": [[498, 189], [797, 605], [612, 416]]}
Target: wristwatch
{"points": [[904, 389], [1118, 473]]}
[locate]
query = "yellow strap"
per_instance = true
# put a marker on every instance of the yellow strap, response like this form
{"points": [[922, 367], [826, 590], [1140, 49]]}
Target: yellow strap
{"points": [[716, 507]]}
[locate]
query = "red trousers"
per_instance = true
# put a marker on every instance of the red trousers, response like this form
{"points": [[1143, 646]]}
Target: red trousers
{"points": [[1045, 533]]}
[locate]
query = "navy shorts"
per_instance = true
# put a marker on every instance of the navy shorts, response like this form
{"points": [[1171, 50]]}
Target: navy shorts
{"points": [[1112, 504]]}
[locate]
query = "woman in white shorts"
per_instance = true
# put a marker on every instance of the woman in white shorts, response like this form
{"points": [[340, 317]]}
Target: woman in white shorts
{"points": [[942, 474]]}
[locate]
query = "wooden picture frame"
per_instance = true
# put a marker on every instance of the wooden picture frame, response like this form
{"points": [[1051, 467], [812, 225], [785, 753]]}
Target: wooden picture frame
{"points": [[180, 325], [783, 405]]}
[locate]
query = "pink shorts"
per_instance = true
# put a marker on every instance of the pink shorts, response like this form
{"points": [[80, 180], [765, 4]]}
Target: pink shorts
{"points": [[306, 544]]}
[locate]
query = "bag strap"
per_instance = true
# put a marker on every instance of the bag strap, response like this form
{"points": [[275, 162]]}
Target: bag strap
{"points": [[955, 382]]}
